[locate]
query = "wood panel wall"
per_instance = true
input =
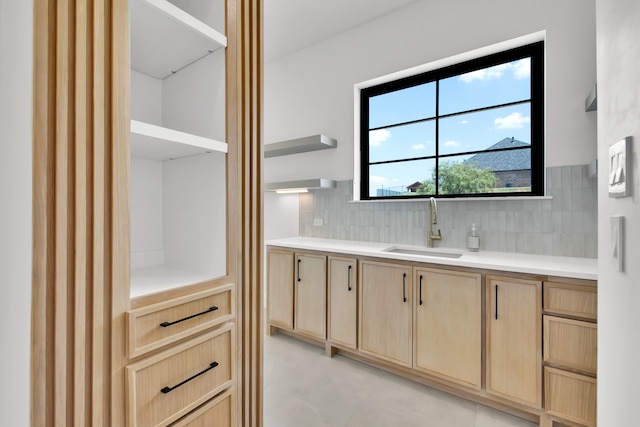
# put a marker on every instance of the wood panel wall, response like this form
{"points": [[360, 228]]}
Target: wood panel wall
{"points": [[81, 208]]}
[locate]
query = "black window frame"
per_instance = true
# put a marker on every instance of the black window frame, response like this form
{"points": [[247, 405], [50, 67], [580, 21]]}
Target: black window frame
{"points": [[535, 51]]}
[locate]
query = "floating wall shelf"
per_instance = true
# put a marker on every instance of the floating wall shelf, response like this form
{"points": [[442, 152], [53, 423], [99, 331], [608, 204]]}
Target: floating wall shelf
{"points": [[299, 145], [300, 186]]}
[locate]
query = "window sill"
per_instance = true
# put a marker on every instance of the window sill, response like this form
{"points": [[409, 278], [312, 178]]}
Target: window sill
{"points": [[457, 199]]}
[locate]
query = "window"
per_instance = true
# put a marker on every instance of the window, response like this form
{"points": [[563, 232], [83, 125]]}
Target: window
{"points": [[471, 129]]}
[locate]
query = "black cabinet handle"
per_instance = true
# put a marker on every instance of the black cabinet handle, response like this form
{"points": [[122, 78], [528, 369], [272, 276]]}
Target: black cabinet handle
{"points": [[165, 324], [404, 287], [349, 279], [166, 390], [496, 302], [299, 269], [421, 289]]}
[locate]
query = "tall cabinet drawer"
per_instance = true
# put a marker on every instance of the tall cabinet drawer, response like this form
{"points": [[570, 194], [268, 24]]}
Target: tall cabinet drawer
{"points": [[157, 325], [219, 412], [164, 387]]}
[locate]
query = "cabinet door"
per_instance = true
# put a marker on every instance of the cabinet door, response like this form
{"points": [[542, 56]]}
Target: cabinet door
{"points": [[448, 325], [311, 295], [280, 288], [514, 339], [343, 301], [385, 311]]}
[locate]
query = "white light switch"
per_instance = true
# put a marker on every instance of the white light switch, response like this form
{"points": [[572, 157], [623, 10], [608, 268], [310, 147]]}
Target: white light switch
{"points": [[617, 243], [317, 222]]}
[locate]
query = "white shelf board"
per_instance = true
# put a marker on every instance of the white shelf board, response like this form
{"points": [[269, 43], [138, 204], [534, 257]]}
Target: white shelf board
{"points": [[158, 143], [149, 280], [299, 145], [164, 38]]}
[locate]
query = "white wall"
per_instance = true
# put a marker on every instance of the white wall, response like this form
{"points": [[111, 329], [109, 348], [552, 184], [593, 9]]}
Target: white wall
{"points": [[16, 41], [618, 293], [311, 91]]}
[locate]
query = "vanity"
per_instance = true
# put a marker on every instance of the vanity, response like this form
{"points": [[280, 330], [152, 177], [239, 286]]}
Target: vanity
{"points": [[516, 332]]}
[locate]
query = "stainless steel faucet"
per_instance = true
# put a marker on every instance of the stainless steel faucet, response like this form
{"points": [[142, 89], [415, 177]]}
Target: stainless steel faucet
{"points": [[433, 221]]}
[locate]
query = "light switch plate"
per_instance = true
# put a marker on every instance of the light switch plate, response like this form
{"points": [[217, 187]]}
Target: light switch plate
{"points": [[620, 175], [617, 241]]}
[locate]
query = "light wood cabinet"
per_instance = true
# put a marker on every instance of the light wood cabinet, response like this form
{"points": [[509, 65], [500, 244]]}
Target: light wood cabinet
{"points": [[514, 339], [570, 351], [311, 295], [156, 325], [280, 288], [386, 294], [343, 301], [297, 292], [448, 325], [168, 385]]}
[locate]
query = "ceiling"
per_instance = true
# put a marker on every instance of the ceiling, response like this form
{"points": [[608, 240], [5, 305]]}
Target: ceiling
{"points": [[291, 25]]}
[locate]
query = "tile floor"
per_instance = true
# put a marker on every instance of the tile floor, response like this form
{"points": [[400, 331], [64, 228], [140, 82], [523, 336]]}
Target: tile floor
{"points": [[304, 388]]}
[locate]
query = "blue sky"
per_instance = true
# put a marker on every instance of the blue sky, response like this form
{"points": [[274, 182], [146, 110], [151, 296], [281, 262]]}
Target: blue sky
{"points": [[500, 84]]}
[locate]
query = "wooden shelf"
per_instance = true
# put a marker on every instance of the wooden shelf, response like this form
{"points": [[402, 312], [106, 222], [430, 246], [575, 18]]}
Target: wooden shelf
{"points": [[164, 38], [299, 145], [157, 143]]}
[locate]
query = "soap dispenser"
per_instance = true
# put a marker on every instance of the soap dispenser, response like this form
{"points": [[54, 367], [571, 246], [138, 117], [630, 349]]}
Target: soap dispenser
{"points": [[473, 240]]}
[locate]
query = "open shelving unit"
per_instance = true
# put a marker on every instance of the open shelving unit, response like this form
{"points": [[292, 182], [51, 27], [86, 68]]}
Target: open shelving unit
{"points": [[178, 153]]}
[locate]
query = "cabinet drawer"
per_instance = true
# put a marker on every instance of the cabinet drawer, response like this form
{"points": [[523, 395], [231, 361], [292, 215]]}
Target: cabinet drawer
{"points": [[570, 396], [219, 412], [571, 300], [164, 387], [156, 325], [570, 343]]}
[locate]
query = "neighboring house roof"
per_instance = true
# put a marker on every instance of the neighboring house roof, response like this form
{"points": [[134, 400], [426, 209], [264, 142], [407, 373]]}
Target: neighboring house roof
{"points": [[504, 160], [414, 186]]}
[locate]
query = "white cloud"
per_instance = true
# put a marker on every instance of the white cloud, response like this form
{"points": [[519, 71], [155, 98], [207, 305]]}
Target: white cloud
{"points": [[373, 179], [494, 72], [464, 122], [522, 68], [377, 137], [451, 144], [512, 121], [419, 147]]}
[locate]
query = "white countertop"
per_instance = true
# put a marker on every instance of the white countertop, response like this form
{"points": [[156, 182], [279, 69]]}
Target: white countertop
{"points": [[571, 267]]}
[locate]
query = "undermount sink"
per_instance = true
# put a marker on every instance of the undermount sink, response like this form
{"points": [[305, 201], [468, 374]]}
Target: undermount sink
{"points": [[423, 251]]}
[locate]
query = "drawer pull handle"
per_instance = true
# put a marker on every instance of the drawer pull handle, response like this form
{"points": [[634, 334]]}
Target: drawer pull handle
{"points": [[404, 287], [166, 390], [165, 324], [496, 302], [349, 279], [421, 289], [299, 279]]}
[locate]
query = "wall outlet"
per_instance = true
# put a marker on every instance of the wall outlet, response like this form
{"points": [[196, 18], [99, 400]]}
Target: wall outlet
{"points": [[317, 222]]}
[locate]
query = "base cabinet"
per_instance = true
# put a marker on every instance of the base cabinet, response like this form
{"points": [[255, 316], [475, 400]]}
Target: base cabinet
{"points": [[448, 325], [570, 352], [280, 288], [297, 292], [510, 339], [514, 339], [385, 311], [343, 301]]}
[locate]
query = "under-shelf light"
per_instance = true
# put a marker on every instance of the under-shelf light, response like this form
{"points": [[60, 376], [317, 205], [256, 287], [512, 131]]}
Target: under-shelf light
{"points": [[292, 191], [301, 186]]}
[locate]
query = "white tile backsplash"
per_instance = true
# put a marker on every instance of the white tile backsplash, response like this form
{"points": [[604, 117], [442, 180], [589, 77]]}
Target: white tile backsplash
{"points": [[564, 225]]}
